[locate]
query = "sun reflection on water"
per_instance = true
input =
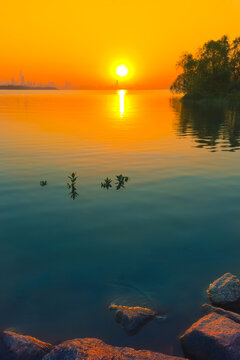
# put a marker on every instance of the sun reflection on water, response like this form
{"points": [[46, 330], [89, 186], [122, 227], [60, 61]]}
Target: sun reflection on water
{"points": [[121, 102]]}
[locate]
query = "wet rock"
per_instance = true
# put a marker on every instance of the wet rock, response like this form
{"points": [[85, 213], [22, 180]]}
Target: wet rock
{"points": [[225, 292], [4, 353], [132, 319], [95, 349], [208, 309], [19, 347], [213, 337]]}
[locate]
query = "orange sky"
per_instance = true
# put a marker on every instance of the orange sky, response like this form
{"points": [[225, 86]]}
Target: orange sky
{"points": [[82, 41]]}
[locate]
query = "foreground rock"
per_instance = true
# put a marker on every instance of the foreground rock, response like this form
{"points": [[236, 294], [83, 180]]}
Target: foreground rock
{"points": [[132, 319], [225, 292], [94, 349], [213, 337], [19, 347], [208, 309]]}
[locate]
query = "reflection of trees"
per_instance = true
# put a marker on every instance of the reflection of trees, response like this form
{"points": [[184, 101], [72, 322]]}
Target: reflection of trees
{"points": [[212, 126]]}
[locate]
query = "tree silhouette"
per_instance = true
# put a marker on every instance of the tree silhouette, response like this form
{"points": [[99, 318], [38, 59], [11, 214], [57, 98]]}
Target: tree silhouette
{"points": [[213, 71]]}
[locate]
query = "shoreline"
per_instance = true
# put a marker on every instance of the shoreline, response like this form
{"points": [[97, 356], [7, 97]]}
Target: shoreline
{"points": [[228, 99], [215, 336]]}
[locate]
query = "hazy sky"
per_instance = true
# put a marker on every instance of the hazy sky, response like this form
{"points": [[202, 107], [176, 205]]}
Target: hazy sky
{"points": [[82, 41]]}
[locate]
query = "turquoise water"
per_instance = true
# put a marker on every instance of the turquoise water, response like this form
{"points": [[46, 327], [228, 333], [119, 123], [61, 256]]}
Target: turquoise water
{"points": [[157, 242]]}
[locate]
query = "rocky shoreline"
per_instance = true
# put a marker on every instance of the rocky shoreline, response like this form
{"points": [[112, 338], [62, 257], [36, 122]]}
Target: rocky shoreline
{"points": [[215, 336]]}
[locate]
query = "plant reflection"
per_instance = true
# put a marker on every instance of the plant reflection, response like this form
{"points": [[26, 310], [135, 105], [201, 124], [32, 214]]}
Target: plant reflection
{"points": [[72, 186], [213, 126]]}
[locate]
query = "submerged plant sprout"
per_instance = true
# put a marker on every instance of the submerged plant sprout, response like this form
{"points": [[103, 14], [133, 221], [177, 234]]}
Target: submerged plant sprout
{"points": [[72, 186], [106, 183], [120, 182], [43, 183]]}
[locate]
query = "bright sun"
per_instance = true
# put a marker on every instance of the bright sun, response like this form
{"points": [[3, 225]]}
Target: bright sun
{"points": [[122, 70]]}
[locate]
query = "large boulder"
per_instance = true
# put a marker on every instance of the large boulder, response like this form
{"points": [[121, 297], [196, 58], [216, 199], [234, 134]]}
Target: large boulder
{"points": [[19, 347], [225, 292], [132, 318], [213, 337], [95, 349], [208, 309]]}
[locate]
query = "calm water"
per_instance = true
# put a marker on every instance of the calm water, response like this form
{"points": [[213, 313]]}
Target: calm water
{"points": [[159, 241]]}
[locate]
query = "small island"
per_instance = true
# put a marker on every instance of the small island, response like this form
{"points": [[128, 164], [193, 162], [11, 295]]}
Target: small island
{"points": [[213, 73]]}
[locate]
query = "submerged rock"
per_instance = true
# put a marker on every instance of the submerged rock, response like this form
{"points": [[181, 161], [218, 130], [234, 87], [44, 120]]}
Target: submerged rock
{"points": [[133, 318], [225, 292], [213, 337], [95, 349], [19, 347]]}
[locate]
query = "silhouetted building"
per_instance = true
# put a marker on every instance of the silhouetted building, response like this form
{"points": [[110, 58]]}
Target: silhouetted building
{"points": [[21, 79], [51, 84], [28, 84]]}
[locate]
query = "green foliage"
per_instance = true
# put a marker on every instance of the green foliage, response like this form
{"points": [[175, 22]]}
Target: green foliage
{"points": [[235, 61], [213, 71]]}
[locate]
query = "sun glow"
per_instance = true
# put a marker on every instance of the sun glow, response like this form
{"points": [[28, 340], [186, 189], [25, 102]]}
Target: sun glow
{"points": [[122, 70]]}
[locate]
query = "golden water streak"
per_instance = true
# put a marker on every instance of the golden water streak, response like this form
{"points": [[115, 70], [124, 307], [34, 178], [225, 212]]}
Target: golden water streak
{"points": [[121, 101]]}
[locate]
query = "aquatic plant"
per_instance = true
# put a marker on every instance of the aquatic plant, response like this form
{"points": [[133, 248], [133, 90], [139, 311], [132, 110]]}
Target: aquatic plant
{"points": [[73, 178], [106, 183], [43, 182], [72, 186], [121, 180]]}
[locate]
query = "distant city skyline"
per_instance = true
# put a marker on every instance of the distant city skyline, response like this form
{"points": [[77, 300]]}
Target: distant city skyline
{"points": [[20, 81]]}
